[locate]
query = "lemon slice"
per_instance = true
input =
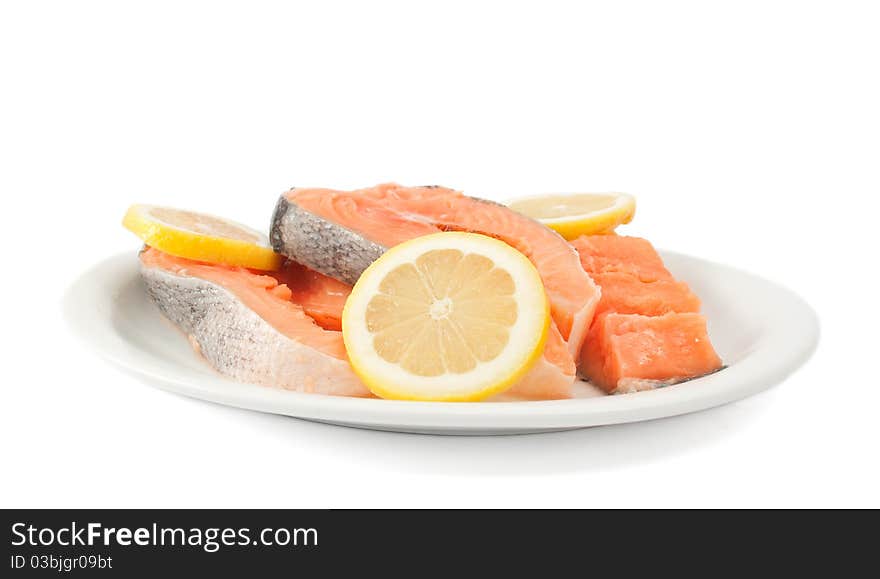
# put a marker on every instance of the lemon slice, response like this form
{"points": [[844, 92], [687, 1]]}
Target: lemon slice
{"points": [[446, 317], [579, 213], [201, 237]]}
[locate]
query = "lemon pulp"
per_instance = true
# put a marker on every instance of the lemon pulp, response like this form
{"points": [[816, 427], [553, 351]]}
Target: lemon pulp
{"points": [[446, 323]]}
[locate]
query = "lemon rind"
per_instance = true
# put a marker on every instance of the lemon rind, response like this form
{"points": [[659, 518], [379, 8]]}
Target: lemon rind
{"points": [[597, 223], [190, 245]]}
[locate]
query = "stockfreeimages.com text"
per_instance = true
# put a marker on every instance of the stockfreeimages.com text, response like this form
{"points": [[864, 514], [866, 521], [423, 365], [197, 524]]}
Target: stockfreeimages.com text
{"points": [[210, 539]]}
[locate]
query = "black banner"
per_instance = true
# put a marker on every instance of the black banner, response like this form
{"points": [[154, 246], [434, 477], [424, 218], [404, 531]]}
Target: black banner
{"points": [[133, 543]]}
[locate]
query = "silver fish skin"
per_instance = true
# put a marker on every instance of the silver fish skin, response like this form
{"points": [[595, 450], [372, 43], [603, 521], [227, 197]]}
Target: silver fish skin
{"points": [[241, 345], [319, 244], [630, 385]]}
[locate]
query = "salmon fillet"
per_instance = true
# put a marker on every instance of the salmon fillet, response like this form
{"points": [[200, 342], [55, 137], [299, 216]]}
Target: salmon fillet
{"points": [[340, 233]]}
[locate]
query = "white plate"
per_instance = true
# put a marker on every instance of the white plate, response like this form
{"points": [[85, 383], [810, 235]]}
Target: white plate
{"points": [[762, 331]]}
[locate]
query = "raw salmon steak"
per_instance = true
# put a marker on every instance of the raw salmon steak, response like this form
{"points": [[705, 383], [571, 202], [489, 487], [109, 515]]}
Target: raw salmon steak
{"points": [[340, 233], [246, 326]]}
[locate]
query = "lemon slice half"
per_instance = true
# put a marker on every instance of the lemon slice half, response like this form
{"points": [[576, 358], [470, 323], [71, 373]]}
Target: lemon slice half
{"points": [[578, 214], [446, 317], [201, 237]]}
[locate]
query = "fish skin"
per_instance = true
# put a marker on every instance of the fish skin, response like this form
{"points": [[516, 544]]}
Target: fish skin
{"points": [[323, 246], [631, 385], [241, 345]]}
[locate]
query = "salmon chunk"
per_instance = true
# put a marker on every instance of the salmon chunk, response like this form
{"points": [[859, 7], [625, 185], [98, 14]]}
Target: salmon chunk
{"points": [[624, 293], [647, 331], [621, 254], [630, 352]]}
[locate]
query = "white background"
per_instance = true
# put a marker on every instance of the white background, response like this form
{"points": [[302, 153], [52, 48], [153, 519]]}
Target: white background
{"points": [[747, 130]]}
